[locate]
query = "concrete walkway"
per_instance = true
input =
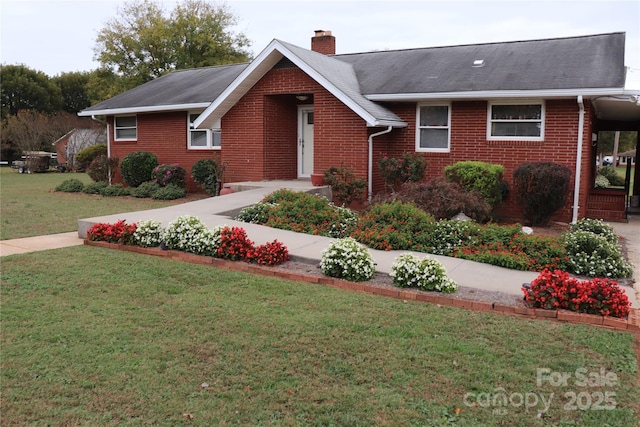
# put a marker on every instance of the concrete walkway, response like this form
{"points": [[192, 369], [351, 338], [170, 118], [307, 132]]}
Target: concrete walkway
{"points": [[308, 248]]}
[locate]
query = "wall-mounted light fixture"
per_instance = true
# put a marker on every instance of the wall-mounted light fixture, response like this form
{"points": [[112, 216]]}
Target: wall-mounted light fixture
{"points": [[302, 97]]}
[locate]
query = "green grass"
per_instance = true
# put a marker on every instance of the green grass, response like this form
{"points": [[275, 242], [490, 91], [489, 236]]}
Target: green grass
{"points": [[92, 336], [622, 171], [30, 207]]}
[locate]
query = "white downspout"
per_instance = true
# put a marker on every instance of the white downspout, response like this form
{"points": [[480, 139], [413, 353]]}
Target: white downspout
{"points": [[576, 189], [370, 161]]}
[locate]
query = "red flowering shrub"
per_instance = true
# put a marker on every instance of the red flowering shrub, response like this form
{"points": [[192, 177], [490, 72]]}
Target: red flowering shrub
{"points": [[120, 232], [557, 290], [234, 244], [271, 253]]}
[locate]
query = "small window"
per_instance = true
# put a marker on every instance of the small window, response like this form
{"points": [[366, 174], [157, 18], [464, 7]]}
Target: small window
{"points": [[202, 139], [521, 122], [434, 122], [126, 128]]}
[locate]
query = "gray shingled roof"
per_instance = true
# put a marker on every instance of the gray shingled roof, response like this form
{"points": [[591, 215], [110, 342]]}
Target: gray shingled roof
{"points": [[342, 76], [595, 61], [192, 86], [569, 63]]}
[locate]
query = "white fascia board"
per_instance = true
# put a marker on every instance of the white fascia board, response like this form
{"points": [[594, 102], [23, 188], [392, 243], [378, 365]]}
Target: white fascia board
{"points": [[240, 86], [392, 123], [558, 93], [148, 109]]}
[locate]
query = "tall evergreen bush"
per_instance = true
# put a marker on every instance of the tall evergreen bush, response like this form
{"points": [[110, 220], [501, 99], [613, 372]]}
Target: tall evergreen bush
{"points": [[541, 190], [137, 167]]}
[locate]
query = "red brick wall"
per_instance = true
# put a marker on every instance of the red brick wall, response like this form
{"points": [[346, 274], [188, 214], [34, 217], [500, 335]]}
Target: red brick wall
{"points": [[469, 142], [257, 149], [259, 137], [164, 134]]}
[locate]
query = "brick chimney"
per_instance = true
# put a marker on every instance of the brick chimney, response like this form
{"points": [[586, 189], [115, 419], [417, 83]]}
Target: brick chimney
{"points": [[323, 42]]}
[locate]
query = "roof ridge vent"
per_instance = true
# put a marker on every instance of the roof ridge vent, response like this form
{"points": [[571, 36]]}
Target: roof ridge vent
{"points": [[477, 63]]}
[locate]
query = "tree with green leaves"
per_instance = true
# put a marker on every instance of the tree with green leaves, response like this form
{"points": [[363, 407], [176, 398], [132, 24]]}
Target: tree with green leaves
{"points": [[73, 88], [26, 89], [144, 42]]}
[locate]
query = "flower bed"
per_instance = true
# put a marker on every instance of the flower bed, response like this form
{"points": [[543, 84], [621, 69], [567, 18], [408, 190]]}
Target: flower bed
{"points": [[188, 234], [403, 226], [558, 290]]}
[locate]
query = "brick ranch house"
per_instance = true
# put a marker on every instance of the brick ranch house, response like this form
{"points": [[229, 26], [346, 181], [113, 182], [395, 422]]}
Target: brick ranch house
{"points": [[292, 111]]}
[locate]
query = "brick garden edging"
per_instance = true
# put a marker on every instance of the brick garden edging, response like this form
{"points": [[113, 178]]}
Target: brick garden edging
{"points": [[631, 324]]}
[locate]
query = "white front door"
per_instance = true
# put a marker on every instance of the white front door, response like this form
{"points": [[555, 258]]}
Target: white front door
{"points": [[305, 141]]}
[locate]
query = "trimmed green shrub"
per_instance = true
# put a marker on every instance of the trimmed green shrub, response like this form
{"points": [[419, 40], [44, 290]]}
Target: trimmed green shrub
{"points": [[72, 185], [609, 172], [95, 187], [347, 259], [137, 167], [144, 190], [395, 226], [170, 174], [541, 190], [88, 154], [98, 170], [208, 174], [170, 192], [483, 178], [115, 190]]}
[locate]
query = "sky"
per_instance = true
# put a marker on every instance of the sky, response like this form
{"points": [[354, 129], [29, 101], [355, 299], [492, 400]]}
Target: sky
{"points": [[59, 36]]}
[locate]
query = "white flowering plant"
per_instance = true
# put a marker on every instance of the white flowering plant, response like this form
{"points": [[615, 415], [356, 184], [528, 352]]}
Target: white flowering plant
{"points": [[149, 233], [188, 233], [595, 255], [256, 214], [347, 259], [596, 226], [449, 235], [428, 274], [347, 222]]}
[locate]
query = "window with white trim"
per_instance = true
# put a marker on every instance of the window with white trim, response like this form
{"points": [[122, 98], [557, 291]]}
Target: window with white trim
{"points": [[521, 121], [433, 130], [125, 128], [203, 139]]}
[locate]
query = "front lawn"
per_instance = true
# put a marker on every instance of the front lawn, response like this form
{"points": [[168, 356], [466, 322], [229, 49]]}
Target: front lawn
{"points": [[29, 207], [98, 337]]}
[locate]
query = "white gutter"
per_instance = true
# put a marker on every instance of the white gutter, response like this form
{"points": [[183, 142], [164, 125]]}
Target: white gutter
{"points": [[147, 109], [486, 94], [576, 188], [370, 161]]}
